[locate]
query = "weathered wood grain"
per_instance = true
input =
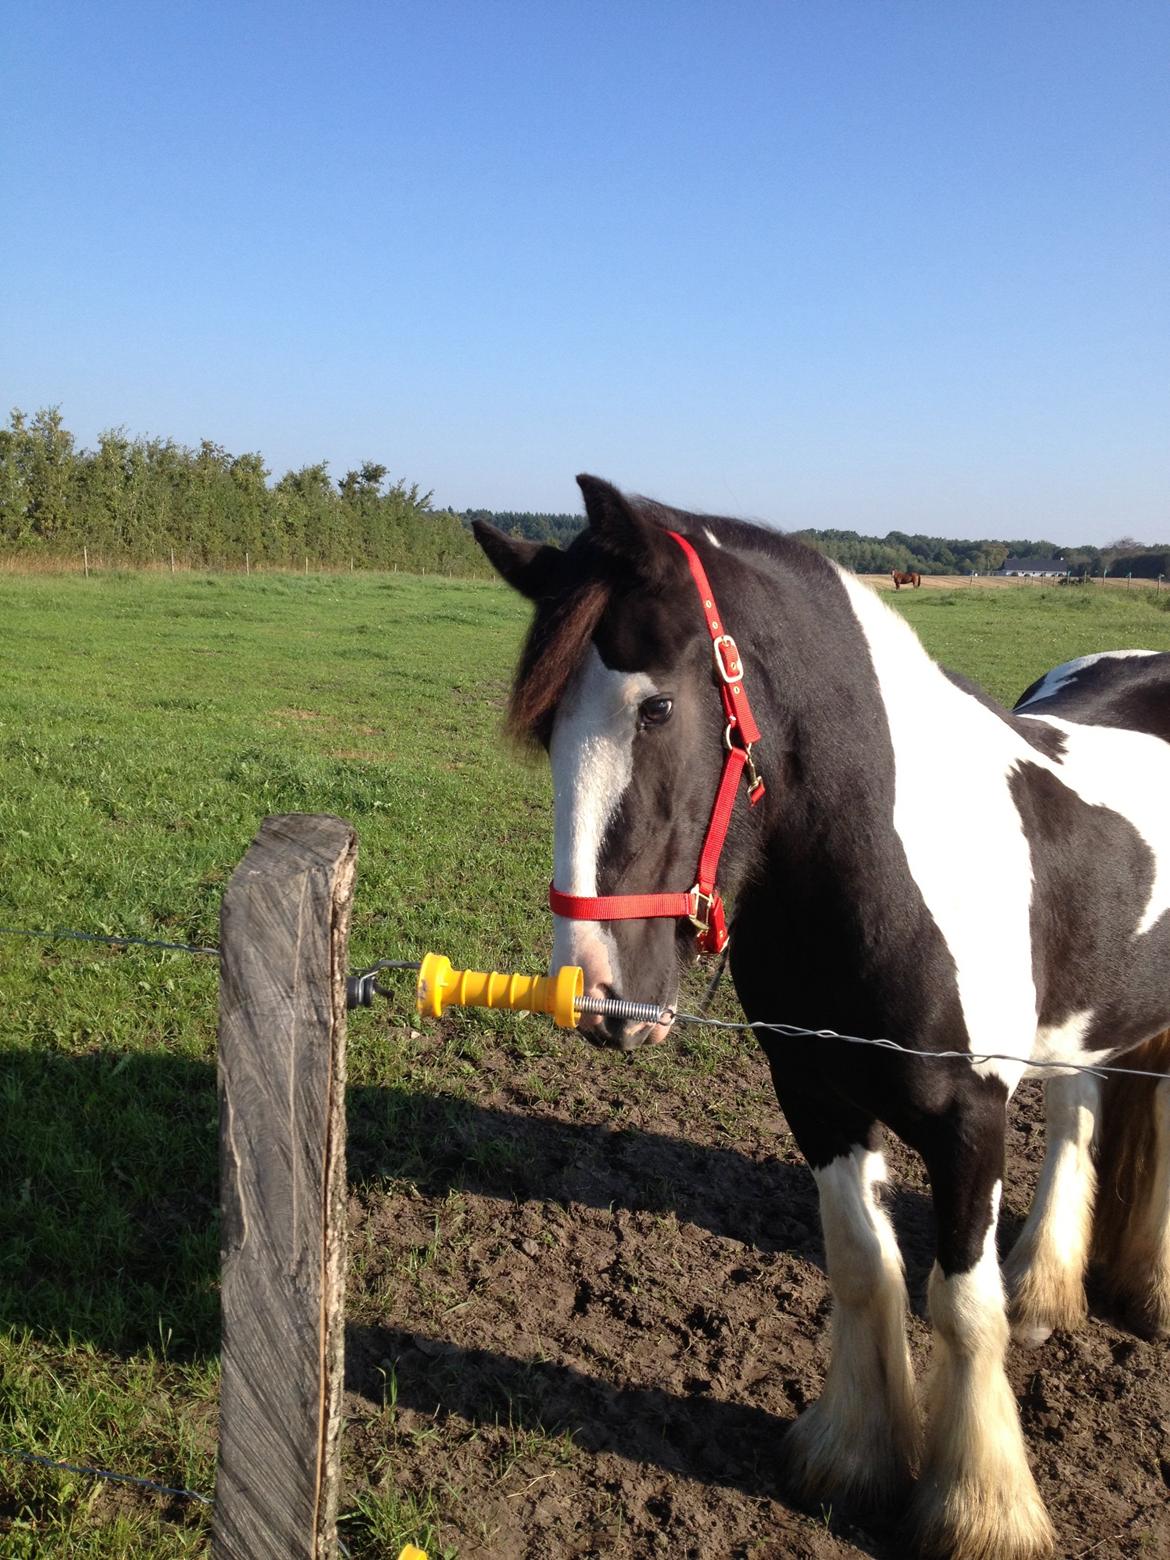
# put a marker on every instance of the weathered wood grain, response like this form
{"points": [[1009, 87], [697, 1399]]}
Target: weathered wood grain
{"points": [[284, 931]]}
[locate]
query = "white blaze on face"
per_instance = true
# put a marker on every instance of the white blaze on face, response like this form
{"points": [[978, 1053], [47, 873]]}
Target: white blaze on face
{"points": [[592, 758]]}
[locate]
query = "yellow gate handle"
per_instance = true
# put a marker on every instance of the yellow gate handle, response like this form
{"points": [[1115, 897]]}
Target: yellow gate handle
{"points": [[440, 986]]}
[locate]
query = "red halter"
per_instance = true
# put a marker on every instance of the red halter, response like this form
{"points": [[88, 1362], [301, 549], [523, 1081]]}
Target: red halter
{"points": [[702, 905]]}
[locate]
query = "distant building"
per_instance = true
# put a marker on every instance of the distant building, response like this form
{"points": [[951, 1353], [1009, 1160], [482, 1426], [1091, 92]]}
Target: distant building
{"points": [[1035, 568]]}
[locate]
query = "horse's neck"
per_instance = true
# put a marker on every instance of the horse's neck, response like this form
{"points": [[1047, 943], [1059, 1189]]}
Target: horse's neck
{"points": [[880, 736]]}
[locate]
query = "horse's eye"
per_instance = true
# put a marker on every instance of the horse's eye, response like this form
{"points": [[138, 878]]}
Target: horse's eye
{"points": [[656, 711]]}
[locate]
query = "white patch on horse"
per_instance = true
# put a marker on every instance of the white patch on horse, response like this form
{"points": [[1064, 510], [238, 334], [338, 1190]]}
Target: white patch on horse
{"points": [[591, 756], [952, 759], [1128, 772], [1060, 676], [1057, 1042], [711, 537]]}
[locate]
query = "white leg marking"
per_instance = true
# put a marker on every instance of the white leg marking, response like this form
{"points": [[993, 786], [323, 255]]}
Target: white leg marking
{"points": [[976, 1498], [591, 755], [860, 1439], [1046, 1268]]}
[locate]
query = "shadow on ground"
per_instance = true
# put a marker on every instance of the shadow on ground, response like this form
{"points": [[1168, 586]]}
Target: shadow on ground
{"points": [[108, 1203]]}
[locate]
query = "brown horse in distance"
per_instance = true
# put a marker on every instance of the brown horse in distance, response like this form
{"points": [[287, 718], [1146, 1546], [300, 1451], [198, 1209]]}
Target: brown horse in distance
{"points": [[901, 579]]}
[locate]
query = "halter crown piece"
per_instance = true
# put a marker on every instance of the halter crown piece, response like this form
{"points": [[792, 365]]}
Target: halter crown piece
{"points": [[702, 905]]}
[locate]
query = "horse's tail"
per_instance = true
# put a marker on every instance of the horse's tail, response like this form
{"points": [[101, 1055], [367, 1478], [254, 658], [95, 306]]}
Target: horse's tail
{"points": [[1131, 1229]]}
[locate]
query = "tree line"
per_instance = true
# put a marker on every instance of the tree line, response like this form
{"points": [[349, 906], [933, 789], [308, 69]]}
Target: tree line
{"points": [[133, 500], [136, 499], [898, 549], [557, 529]]}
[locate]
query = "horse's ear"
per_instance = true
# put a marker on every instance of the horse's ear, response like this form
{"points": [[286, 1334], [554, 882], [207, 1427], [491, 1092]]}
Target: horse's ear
{"points": [[532, 568], [616, 523]]}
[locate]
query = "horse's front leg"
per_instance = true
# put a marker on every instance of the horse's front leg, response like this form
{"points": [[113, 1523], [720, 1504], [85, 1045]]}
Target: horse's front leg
{"points": [[857, 1444], [975, 1498]]}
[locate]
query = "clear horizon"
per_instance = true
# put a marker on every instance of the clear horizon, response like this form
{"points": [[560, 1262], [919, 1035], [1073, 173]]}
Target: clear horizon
{"points": [[827, 265]]}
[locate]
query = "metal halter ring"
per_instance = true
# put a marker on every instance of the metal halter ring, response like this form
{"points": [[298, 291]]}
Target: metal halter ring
{"points": [[755, 778]]}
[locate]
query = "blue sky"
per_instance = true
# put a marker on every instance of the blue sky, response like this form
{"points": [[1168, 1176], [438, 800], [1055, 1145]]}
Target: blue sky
{"points": [[861, 263]]}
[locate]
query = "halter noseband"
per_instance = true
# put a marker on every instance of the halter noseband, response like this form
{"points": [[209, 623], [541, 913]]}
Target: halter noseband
{"points": [[702, 905]]}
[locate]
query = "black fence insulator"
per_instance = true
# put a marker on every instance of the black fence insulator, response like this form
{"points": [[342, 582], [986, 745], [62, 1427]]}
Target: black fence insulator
{"points": [[362, 988], [359, 989]]}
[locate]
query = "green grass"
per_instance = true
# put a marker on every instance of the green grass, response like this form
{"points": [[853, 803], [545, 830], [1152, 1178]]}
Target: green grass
{"points": [[1005, 638], [147, 724]]}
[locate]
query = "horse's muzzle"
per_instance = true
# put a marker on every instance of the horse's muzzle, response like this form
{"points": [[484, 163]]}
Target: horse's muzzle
{"points": [[623, 1035]]}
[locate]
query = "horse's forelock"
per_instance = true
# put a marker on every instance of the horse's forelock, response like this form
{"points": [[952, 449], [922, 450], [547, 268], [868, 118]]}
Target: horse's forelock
{"points": [[563, 626], [555, 647]]}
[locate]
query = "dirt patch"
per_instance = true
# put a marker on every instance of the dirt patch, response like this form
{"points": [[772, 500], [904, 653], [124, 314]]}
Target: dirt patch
{"points": [[586, 1300]]}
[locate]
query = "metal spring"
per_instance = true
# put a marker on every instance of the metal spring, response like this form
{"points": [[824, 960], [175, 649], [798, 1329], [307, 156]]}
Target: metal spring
{"points": [[618, 1007]]}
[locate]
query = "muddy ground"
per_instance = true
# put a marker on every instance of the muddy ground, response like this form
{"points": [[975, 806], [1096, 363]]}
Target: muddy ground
{"points": [[586, 1299]]}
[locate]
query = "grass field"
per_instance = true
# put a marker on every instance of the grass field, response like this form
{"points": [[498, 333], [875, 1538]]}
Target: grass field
{"points": [[147, 724]]}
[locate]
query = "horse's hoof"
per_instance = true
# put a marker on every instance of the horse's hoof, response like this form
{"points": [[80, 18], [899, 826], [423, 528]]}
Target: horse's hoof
{"points": [[1030, 1335], [1045, 1299], [964, 1522], [869, 1480]]}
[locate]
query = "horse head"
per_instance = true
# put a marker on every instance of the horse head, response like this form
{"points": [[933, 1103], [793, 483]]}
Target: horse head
{"points": [[618, 683]]}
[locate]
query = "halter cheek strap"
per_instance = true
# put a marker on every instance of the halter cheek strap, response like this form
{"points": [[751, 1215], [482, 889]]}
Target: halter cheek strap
{"points": [[702, 905]]}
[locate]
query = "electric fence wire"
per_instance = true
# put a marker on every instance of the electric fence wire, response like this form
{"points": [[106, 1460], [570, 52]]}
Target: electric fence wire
{"points": [[120, 1478], [105, 1473], [364, 981], [796, 1032], [791, 1031], [101, 937]]}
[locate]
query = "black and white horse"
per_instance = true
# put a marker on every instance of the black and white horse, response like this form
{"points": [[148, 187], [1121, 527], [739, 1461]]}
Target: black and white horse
{"points": [[1044, 937]]}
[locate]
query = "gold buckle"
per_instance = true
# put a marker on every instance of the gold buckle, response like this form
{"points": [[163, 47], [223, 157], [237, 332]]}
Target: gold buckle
{"points": [[732, 673], [698, 897]]}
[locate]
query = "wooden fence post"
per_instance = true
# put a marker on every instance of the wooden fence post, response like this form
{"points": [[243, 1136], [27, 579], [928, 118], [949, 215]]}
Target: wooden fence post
{"points": [[284, 932]]}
